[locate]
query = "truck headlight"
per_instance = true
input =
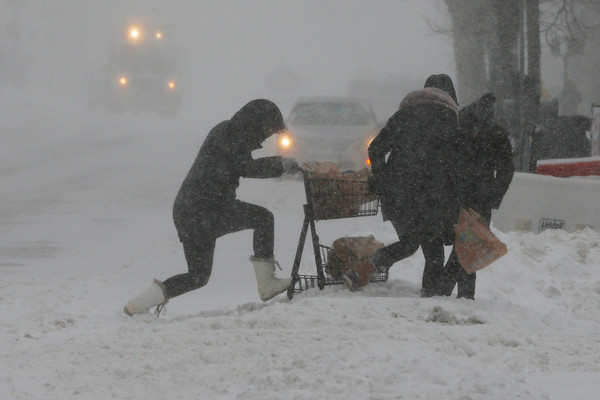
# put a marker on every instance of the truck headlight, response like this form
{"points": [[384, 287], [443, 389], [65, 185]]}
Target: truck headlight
{"points": [[134, 33]]}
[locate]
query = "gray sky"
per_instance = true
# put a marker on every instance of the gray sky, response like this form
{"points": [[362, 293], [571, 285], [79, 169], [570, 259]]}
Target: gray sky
{"points": [[232, 48]]}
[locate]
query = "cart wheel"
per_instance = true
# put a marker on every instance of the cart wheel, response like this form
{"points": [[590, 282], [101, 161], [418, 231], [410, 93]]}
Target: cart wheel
{"points": [[290, 291], [321, 282]]}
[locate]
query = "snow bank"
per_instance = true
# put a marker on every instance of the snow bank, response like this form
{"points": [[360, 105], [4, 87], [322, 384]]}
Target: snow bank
{"points": [[532, 333], [534, 203]]}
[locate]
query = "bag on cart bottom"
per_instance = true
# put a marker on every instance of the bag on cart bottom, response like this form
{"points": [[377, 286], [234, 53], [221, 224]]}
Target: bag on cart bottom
{"points": [[352, 254], [475, 244]]}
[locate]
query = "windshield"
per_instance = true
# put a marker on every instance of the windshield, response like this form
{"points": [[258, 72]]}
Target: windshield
{"points": [[346, 114]]}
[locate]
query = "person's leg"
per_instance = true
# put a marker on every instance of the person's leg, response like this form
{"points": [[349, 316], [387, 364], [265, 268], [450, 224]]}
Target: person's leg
{"points": [[385, 257], [465, 281], [466, 284], [433, 251], [263, 240], [199, 256], [249, 216], [450, 274], [199, 247], [243, 216], [406, 246]]}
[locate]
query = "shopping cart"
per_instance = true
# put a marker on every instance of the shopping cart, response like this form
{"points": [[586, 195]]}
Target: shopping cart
{"points": [[328, 199]]}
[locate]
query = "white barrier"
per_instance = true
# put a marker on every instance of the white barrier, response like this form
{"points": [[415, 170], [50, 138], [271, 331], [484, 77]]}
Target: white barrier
{"points": [[534, 203]]}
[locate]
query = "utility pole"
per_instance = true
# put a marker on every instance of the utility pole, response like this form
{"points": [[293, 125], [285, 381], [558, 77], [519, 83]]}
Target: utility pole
{"points": [[519, 99], [527, 100], [532, 81], [532, 10]]}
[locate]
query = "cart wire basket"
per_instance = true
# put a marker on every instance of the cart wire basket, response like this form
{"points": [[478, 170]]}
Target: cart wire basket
{"points": [[340, 198], [305, 282], [343, 196]]}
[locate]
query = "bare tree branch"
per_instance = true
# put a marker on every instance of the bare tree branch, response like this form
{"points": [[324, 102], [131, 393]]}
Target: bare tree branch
{"points": [[565, 26]]}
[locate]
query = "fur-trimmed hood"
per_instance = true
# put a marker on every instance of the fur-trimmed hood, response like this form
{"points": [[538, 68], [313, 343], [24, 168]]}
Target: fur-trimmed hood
{"points": [[429, 96]]}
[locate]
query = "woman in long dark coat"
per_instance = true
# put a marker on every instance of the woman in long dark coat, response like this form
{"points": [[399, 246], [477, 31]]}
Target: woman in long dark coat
{"points": [[413, 163]]}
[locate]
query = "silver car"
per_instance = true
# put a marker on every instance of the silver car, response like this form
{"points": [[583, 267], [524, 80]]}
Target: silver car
{"points": [[330, 129]]}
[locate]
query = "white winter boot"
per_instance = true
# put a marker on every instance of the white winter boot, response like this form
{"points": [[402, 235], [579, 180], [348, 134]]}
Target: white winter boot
{"points": [[269, 285], [155, 295]]}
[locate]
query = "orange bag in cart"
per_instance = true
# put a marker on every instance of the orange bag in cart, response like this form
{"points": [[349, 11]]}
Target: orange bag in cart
{"points": [[351, 253], [476, 245]]}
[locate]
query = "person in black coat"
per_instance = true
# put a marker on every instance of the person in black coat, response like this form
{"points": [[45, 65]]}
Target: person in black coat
{"points": [[206, 207], [486, 171], [413, 162]]}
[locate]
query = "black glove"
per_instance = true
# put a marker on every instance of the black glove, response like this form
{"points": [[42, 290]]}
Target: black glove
{"points": [[290, 166]]}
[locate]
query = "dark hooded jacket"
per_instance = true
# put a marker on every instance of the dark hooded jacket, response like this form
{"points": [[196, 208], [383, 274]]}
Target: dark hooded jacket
{"points": [[413, 160], [226, 156], [487, 164], [443, 82]]}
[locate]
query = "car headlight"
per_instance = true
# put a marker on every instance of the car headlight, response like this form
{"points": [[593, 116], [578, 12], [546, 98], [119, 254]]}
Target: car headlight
{"points": [[371, 136], [285, 142]]}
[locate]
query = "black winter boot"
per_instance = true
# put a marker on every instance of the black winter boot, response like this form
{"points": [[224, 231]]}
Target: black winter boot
{"points": [[466, 285], [381, 261]]}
